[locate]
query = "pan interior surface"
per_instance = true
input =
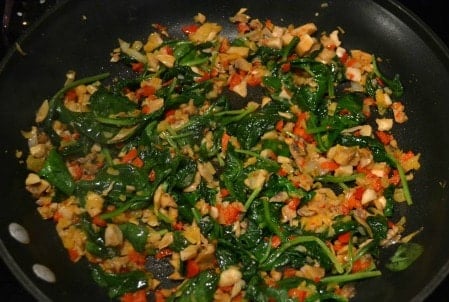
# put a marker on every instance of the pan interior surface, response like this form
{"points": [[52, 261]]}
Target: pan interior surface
{"points": [[79, 35]]}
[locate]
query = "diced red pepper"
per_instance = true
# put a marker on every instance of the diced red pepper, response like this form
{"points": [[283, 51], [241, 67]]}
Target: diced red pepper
{"points": [[350, 62], [163, 253], [152, 175], [279, 125], [225, 141], [406, 156], [224, 192], [361, 265], [275, 241], [71, 95], [282, 172], [298, 294], [178, 225], [395, 178], [137, 67], [344, 58], [75, 170], [293, 203], [98, 221], [380, 82], [146, 109], [286, 67], [224, 45], [189, 29], [375, 182], [329, 165], [192, 268], [234, 80], [73, 255], [243, 27], [138, 296], [137, 162], [169, 112], [289, 272], [384, 137], [128, 157], [158, 296], [56, 216], [390, 224], [358, 194], [229, 214], [159, 27], [206, 76], [168, 50], [269, 24], [136, 257], [344, 238], [253, 80], [145, 91]]}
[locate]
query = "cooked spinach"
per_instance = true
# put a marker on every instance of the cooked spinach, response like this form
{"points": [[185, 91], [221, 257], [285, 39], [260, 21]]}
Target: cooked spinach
{"points": [[254, 181], [119, 284], [56, 172], [405, 255]]}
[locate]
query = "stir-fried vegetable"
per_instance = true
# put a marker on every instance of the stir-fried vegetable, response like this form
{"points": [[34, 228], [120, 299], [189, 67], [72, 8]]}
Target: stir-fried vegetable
{"points": [[258, 168]]}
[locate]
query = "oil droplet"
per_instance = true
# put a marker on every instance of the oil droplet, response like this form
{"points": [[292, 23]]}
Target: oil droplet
{"points": [[44, 273], [19, 233]]}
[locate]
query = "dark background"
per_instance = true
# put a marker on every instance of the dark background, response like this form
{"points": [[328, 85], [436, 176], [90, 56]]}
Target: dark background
{"points": [[23, 13]]}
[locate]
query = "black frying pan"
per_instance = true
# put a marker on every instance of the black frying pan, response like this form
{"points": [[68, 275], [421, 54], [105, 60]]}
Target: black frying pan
{"points": [[79, 35]]}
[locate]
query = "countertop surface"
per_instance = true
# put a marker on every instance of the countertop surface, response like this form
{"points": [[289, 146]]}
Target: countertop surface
{"points": [[24, 13]]}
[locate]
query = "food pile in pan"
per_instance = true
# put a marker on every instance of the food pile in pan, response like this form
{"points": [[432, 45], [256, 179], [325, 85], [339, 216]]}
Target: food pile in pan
{"points": [[257, 167]]}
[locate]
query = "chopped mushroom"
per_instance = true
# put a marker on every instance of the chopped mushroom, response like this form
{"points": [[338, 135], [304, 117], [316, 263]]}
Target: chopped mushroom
{"points": [[113, 236]]}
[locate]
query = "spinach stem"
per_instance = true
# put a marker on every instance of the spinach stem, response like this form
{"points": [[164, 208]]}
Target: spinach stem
{"points": [[403, 177], [351, 277], [302, 239], [69, 86]]}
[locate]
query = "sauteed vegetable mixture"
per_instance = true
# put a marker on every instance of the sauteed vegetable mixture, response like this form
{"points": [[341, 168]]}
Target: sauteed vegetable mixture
{"points": [[257, 167]]}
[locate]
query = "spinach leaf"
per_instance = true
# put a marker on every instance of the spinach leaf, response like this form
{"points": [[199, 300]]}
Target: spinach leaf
{"points": [[56, 172], [191, 133], [394, 84], [116, 180], [136, 234], [112, 118], [185, 172], [310, 99], [378, 225], [325, 255], [344, 224], [55, 101], [389, 206], [198, 289], [95, 239], [100, 250], [119, 284], [104, 104], [277, 184], [226, 258], [278, 147], [233, 176], [210, 228], [404, 256], [249, 129], [379, 152], [79, 147], [179, 242], [186, 200], [379, 155], [326, 126]]}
